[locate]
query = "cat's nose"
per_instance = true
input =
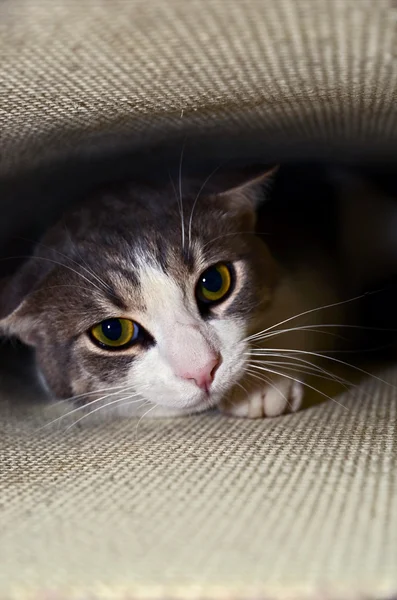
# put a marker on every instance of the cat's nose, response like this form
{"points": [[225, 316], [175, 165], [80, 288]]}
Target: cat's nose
{"points": [[204, 376]]}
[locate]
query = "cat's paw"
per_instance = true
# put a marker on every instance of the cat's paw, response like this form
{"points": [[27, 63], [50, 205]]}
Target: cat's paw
{"points": [[271, 400]]}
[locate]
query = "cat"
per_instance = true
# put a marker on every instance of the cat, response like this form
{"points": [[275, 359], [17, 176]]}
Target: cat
{"points": [[147, 297]]}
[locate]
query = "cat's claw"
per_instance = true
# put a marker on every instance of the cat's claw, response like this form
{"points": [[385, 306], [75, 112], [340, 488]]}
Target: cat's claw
{"points": [[271, 400]]}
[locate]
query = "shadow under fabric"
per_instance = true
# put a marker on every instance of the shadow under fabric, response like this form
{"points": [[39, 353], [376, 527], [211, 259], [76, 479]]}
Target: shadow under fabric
{"points": [[303, 506]]}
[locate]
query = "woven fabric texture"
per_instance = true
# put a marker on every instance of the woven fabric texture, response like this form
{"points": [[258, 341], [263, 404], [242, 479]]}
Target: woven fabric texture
{"points": [[298, 507], [73, 73]]}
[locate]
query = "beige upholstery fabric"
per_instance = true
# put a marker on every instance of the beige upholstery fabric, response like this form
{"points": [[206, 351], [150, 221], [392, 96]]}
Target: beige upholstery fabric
{"points": [[206, 507], [74, 72]]}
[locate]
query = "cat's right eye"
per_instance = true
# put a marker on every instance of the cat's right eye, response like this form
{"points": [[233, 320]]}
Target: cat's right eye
{"points": [[215, 284], [115, 334]]}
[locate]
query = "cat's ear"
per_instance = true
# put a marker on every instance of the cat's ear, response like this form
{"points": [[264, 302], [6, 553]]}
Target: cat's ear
{"points": [[19, 307], [252, 186], [245, 197]]}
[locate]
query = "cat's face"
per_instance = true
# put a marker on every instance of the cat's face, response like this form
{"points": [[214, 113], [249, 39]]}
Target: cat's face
{"points": [[121, 297]]}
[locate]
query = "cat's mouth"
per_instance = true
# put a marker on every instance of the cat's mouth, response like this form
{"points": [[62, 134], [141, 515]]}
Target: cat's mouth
{"points": [[209, 400], [206, 401], [199, 407]]}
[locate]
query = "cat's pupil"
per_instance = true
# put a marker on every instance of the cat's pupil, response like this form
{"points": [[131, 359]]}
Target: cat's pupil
{"points": [[112, 329], [212, 280]]}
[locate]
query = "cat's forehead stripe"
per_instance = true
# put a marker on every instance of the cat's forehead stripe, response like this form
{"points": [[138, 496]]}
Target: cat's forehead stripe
{"points": [[158, 287], [115, 298]]}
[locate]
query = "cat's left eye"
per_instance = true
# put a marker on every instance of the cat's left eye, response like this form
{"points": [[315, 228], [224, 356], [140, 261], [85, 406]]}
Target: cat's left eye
{"points": [[115, 334], [214, 284]]}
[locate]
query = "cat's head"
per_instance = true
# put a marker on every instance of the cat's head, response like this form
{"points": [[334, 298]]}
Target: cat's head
{"points": [[140, 293]]}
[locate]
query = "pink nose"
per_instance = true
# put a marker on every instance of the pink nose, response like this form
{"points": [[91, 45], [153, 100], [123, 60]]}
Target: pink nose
{"points": [[203, 376]]}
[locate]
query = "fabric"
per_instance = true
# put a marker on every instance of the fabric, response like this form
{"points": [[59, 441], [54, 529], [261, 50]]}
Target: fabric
{"points": [[76, 74], [301, 506]]}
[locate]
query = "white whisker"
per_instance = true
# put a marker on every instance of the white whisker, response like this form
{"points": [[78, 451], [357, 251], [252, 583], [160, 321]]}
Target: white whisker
{"points": [[240, 385], [80, 408], [195, 202], [269, 382], [310, 328], [69, 258], [314, 370], [305, 362], [181, 199], [296, 368], [301, 382], [144, 415], [59, 264], [179, 208], [314, 329], [70, 285], [324, 356], [117, 401], [306, 312], [219, 237], [122, 389], [244, 390], [85, 265]]}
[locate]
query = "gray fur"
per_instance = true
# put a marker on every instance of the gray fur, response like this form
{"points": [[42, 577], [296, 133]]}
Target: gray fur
{"points": [[89, 263]]}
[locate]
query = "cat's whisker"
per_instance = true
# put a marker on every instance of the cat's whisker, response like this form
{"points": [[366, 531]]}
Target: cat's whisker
{"points": [[304, 313], [310, 328], [296, 368], [312, 367], [181, 199], [102, 407], [86, 267], [314, 329], [69, 258], [324, 356], [59, 264], [316, 370], [220, 237], [195, 202], [351, 327], [84, 406], [293, 365], [142, 417], [179, 208], [301, 382], [306, 363], [269, 382], [55, 287], [240, 385], [120, 388]]}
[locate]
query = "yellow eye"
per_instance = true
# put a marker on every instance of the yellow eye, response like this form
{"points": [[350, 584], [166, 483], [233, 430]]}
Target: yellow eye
{"points": [[214, 284], [115, 334]]}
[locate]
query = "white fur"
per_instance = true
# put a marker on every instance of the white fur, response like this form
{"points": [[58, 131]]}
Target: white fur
{"points": [[183, 337], [271, 400]]}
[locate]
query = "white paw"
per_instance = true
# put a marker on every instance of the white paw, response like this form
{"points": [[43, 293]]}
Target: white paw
{"points": [[271, 400]]}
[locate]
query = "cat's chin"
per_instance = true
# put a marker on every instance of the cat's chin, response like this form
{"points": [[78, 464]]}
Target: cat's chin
{"points": [[158, 411], [198, 405]]}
